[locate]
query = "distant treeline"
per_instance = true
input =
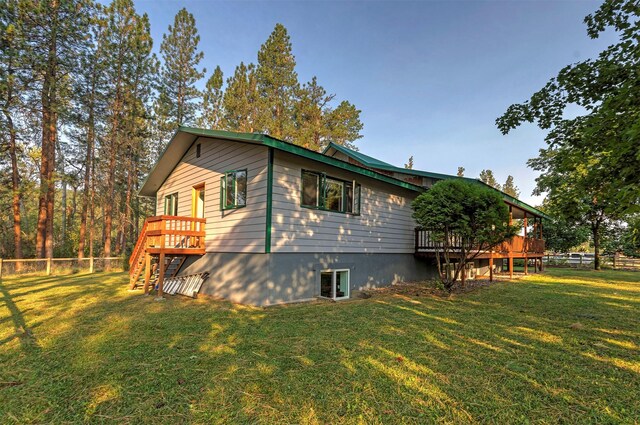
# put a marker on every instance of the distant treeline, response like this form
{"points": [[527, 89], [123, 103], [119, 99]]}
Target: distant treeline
{"points": [[86, 107]]}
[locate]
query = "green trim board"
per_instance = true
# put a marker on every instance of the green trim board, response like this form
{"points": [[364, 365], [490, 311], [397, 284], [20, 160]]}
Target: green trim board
{"points": [[267, 233], [374, 163], [365, 159]]}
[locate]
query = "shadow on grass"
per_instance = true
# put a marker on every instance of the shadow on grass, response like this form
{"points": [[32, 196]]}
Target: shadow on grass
{"points": [[508, 353]]}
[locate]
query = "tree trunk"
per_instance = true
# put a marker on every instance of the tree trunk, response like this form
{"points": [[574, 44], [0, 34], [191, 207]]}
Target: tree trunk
{"points": [[41, 231], [15, 187], [108, 207], [44, 236], [48, 244], [88, 177], [595, 230]]}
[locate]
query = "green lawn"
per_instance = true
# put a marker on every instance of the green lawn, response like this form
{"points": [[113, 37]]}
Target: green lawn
{"points": [[558, 348]]}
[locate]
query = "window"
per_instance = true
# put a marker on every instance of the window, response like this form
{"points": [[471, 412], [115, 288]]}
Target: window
{"points": [[334, 284], [198, 150], [233, 190], [328, 193], [171, 204]]}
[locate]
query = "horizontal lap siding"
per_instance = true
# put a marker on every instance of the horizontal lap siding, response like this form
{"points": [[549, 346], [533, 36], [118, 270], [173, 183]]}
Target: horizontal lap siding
{"points": [[384, 226], [240, 230]]}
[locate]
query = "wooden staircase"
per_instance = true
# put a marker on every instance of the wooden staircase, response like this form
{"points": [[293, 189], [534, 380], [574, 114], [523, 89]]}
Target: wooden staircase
{"points": [[171, 269], [162, 247]]}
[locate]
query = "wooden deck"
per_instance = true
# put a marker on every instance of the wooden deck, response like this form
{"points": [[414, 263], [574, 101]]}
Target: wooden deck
{"points": [[518, 247], [164, 236]]}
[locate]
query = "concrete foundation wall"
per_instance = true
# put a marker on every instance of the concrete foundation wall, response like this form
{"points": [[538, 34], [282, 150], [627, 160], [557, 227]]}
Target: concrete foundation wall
{"points": [[268, 279]]}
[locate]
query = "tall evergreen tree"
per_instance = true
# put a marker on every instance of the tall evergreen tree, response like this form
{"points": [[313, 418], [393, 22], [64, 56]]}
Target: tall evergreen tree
{"points": [[55, 31], [240, 100], [344, 125], [409, 164], [510, 188], [277, 82], [128, 44], [178, 100], [310, 115], [212, 112], [90, 108], [486, 176], [12, 82]]}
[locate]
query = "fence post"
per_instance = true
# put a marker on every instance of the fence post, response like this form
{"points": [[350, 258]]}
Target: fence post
{"points": [[48, 266], [90, 264], [581, 261], [0, 269]]}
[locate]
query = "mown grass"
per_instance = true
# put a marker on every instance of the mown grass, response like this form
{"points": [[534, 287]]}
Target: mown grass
{"points": [[557, 348]]}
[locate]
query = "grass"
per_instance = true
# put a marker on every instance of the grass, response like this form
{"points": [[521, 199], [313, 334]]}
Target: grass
{"points": [[557, 348]]}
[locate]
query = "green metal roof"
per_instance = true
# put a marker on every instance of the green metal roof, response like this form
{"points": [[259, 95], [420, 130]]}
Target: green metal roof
{"points": [[184, 137], [180, 143], [367, 160], [375, 163]]}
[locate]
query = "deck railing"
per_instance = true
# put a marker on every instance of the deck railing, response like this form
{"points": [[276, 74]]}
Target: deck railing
{"points": [[175, 232], [169, 234], [426, 242]]}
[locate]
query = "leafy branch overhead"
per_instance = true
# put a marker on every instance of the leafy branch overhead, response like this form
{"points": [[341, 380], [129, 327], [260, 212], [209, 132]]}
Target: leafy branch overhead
{"points": [[589, 168]]}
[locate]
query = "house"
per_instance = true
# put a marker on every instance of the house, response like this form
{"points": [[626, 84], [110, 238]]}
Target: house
{"points": [[272, 222]]}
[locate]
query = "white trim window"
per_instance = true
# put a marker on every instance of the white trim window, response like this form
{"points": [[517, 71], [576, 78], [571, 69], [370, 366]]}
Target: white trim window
{"points": [[335, 284]]}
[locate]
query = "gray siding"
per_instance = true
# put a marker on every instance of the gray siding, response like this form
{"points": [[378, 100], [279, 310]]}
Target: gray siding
{"points": [[384, 226], [240, 230], [269, 279]]}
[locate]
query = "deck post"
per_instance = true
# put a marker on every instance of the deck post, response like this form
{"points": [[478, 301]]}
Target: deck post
{"points": [[490, 267], [510, 266], [147, 272], [525, 248], [161, 276]]}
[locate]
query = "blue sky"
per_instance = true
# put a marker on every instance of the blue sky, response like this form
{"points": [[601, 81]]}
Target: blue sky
{"points": [[430, 77]]}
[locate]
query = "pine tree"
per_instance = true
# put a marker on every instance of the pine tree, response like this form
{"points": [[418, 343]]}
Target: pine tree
{"points": [[277, 82], [212, 98], [310, 115], [55, 32], [487, 177], [128, 45], [409, 164], [344, 125], [510, 188], [460, 172], [178, 100], [239, 102], [90, 107], [12, 82]]}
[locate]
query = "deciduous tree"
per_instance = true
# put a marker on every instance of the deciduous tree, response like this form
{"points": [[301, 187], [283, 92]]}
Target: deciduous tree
{"points": [[466, 218]]}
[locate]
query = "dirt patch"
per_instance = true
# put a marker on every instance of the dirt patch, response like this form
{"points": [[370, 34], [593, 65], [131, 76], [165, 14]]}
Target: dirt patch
{"points": [[428, 288]]}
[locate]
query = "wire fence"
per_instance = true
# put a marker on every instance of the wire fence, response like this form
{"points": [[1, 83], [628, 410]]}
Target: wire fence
{"points": [[59, 266]]}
